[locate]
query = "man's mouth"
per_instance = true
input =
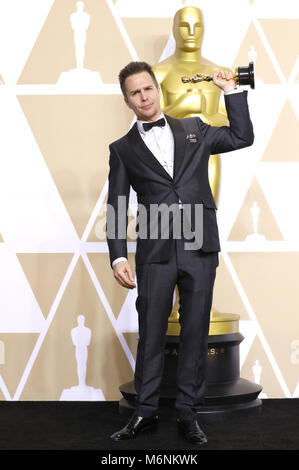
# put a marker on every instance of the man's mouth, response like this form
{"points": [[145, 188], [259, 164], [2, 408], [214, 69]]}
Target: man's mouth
{"points": [[147, 106]]}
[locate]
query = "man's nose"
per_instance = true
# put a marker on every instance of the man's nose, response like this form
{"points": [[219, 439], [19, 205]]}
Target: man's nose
{"points": [[143, 96]]}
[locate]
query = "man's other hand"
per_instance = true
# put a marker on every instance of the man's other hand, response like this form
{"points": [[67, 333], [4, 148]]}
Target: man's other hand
{"points": [[123, 274]]}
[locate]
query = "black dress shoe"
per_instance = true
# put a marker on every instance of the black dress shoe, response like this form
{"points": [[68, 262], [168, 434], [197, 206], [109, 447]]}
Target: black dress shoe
{"points": [[192, 431], [136, 425]]}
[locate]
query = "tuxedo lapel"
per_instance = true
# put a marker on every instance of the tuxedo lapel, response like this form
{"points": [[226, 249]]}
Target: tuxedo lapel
{"points": [[179, 143], [144, 153]]}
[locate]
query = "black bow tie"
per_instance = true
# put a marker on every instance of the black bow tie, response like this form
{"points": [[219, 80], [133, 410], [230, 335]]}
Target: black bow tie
{"points": [[148, 125]]}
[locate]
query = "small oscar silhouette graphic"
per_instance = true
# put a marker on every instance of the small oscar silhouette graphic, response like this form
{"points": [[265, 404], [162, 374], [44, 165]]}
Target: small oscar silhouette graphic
{"points": [[255, 237], [257, 372], [81, 336], [80, 76]]}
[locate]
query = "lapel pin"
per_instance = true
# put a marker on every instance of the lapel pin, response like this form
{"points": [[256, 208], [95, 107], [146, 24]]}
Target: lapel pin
{"points": [[192, 138]]}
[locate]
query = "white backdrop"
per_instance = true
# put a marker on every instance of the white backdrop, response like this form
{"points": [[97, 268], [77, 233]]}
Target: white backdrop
{"points": [[56, 125]]}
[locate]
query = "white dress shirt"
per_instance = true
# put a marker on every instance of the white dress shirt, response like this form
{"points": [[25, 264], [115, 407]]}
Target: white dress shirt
{"points": [[160, 141]]}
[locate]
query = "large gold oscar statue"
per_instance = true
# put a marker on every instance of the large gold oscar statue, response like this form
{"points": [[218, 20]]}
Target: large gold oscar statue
{"points": [[194, 99]]}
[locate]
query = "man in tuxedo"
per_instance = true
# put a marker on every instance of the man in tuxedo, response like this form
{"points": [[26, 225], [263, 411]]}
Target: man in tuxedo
{"points": [[165, 161]]}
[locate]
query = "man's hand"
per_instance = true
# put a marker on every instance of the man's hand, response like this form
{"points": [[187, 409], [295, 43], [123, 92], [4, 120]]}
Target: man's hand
{"points": [[224, 80], [123, 274]]}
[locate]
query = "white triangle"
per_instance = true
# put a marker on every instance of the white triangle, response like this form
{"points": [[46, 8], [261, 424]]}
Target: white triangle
{"points": [[286, 9], [32, 211], [147, 9], [4, 389], [20, 25], [283, 202], [168, 49], [19, 310], [296, 391], [127, 320]]}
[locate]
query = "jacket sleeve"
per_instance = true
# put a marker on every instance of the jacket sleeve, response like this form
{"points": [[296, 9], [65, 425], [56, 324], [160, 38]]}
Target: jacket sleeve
{"points": [[117, 207], [238, 134]]}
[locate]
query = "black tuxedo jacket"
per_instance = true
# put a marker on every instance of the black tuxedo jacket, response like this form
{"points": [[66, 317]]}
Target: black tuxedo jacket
{"points": [[132, 164]]}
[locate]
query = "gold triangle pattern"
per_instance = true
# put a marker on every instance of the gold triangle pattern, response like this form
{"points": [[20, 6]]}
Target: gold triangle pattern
{"points": [[222, 302], [269, 280], [286, 131], [17, 350], [56, 363], [275, 30], [255, 217], [54, 53], [149, 36], [45, 273], [252, 45], [77, 153]]}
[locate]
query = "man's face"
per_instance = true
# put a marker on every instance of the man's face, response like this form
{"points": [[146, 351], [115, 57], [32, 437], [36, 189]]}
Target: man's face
{"points": [[143, 96], [188, 28]]}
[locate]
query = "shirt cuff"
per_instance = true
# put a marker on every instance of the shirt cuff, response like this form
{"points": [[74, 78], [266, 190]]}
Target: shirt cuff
{"points": [[117, 260], [234, 90]]}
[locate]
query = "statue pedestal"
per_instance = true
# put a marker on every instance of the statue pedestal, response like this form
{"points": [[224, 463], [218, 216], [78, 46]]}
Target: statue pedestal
{"points": [[226, 391]]}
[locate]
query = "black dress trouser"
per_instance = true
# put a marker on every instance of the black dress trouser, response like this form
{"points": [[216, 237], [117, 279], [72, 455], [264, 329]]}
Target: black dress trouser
{"points": [[194, 273]]}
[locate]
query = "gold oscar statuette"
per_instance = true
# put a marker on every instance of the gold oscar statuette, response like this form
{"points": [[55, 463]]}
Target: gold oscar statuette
{"points": [[242, 76]]}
